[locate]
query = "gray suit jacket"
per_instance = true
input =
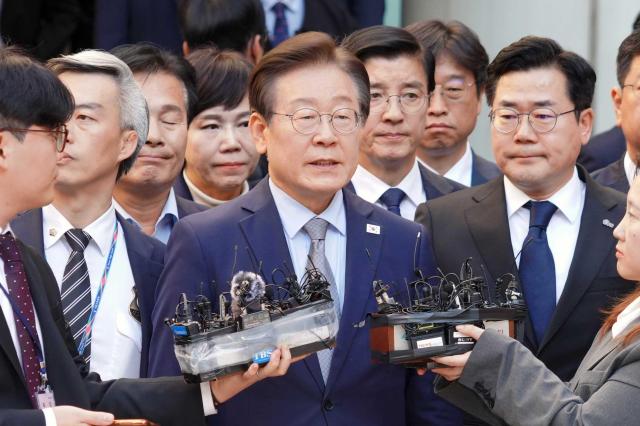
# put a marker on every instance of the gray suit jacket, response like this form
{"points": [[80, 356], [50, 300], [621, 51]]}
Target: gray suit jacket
{"points": [[504, 383]]}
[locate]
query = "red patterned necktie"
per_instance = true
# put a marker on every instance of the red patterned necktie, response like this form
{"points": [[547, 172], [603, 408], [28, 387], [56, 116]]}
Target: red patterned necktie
{"points": [[19, 290]]}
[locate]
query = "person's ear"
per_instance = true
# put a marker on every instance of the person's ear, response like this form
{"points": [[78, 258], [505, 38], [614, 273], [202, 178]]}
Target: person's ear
{"points": [[585, 124], [616, 97], [259, 132], [185, 48], [254, 50], [128, 144]]}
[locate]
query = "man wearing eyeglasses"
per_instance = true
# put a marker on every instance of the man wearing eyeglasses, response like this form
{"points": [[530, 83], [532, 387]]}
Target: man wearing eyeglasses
{"points": [[388, 173], [105, 267], [310, 99], [626, 101], [460, 75], [546, 221]]}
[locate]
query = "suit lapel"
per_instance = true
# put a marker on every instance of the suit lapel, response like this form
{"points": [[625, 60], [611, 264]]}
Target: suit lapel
{"points": [[264, 235], [7, 346], [595, 242], [363, 252], [28, 228]]}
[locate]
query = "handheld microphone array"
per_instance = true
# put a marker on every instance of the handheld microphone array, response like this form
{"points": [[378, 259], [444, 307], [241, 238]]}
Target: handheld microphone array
{"points": [[411, 335], [257, 318]]}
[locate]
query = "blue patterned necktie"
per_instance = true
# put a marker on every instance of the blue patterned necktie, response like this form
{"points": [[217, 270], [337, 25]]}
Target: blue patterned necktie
{"points": [[537, 268], [316, 228], [280, 26], [392, 198]]}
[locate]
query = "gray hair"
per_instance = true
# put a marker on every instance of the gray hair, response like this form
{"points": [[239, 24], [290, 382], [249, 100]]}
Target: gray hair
{"points": [[134, 113]]}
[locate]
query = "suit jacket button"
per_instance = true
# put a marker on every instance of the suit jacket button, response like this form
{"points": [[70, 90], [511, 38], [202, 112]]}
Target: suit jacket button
{"points": [[328, 405]]}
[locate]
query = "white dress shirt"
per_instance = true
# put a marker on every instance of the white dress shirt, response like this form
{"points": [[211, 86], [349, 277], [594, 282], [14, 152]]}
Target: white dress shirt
{"points": [[116, 339], [167, 219], [629, 167], [460, 172], [294, 216], [294, 12], [370, 187], [563, 229], [201, 198], [626, 317]]}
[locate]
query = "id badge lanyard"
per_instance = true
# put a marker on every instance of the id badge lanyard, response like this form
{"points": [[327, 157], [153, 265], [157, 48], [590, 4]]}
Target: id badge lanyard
{"points": [[43, 389], [96, 304]]}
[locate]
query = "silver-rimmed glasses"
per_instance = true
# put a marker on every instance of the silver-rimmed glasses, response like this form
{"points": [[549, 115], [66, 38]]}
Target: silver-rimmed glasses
{"points": [[410, 102], [542, 120], [307, 120]]}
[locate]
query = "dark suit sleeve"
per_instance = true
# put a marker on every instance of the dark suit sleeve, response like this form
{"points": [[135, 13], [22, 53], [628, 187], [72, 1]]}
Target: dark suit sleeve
{"points": [[59, 20], [21, 417], [424, 407], [111, 23], [185, 271]]}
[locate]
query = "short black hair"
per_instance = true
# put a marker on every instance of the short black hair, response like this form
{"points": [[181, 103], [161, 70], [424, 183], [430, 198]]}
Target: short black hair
{"points": [[629, 49], [636, 23], [222, 78], [150, 59], [227, 24], [382, 41], [30, 94], [537, 52], [456, 40]]}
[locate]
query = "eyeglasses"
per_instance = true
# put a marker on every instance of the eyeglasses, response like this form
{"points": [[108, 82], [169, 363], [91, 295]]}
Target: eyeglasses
{"points": [[635, 87], [307, 120], [453, 90], [542, 120], [60, 133], [409, 101]]}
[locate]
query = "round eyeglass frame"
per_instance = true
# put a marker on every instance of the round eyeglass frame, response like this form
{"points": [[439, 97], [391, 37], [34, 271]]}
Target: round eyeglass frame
{"points": [[384, 104], [61, 133], [317, 122], [534, 126]]}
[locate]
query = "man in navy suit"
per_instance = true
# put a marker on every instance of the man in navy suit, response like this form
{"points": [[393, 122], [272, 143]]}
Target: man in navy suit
{"points": [[106, 131], [460, 75], [144, 196], [388, 172], [626, 101], [309, 97]]}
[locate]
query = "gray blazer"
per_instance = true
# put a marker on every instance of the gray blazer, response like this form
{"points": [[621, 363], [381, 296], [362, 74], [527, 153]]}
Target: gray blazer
{"points": [[504, 383]]}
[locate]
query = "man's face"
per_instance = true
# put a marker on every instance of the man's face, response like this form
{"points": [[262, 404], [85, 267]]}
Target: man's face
{"points": [[161, 157], [390, 134], [626, 101], [32, 161], [310, 168], [538, 163], [96, 144], [220, 151], [453, 109]]}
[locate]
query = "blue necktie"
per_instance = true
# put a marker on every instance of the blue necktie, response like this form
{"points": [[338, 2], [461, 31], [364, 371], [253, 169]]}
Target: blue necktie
{"points": [[392, 198], [280, 26], [537, 269]]}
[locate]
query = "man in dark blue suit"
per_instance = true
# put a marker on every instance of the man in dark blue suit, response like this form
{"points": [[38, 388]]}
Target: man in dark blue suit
{"points": [[626, 101], [308, 98], [388, 173], [107, 128], [460, 75], [145, 196]]}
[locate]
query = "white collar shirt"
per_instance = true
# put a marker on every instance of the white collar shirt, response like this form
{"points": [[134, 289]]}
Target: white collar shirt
{"points": [[461, 171], [294, 216], [563, 229], [167, 219], [629, 167], [370, 187], [626, 317], [116, 337]]}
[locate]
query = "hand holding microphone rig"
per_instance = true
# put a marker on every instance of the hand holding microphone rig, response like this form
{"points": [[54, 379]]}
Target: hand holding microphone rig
{"points": [[412, 335], [246, 329]]}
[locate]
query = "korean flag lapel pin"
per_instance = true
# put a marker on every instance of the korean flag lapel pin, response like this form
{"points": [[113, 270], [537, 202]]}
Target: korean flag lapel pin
{"points": [[608, 223], [373, 229]]}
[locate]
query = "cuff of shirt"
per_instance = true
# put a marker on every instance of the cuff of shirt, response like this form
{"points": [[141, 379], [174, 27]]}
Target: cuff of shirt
{"points": [[50, 417], [207, 400]]}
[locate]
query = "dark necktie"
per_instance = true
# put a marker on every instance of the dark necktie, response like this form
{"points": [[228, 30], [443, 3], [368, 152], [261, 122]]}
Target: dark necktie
{"points": [[316, 228], [392, 198], [76, 288], [280, 26], [19, 290], [537, 268]]}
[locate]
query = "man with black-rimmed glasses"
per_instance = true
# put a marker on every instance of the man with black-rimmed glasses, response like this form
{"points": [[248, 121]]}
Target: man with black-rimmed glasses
{"points": [[388, 173]]}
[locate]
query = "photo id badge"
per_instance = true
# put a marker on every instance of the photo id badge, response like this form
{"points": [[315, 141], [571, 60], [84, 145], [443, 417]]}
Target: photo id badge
{"points": [[45, 398]]}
